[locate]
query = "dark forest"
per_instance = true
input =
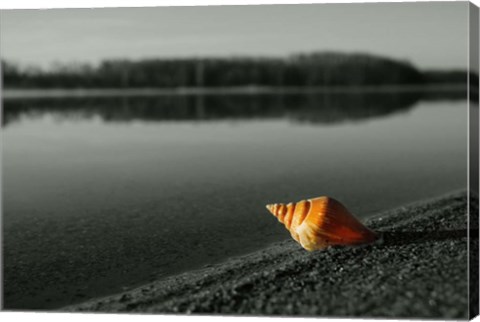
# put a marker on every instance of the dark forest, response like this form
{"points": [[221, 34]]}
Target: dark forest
{"points": [[315, 69]]}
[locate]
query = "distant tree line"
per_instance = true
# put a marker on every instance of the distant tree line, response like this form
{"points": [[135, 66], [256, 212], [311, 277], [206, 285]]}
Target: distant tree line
{"points": [[316, 69]]}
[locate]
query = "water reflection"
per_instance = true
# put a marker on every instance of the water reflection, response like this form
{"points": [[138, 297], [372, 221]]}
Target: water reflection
{"points": [[91, 207], [321, 108]]}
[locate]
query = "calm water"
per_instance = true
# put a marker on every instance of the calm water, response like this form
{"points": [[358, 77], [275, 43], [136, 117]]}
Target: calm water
{"points": [[104, 194]]}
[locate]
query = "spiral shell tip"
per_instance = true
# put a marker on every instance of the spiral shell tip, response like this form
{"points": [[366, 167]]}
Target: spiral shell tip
{"points": [[320, 222]]}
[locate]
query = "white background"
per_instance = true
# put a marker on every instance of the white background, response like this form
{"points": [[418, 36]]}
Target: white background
{"points": [[17, 4]]}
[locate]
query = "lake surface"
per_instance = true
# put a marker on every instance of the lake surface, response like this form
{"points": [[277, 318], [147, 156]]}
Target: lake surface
{"points": [[103, 194]]}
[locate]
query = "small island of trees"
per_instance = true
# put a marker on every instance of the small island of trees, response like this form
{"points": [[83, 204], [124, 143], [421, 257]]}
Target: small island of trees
{"points": [[315, 69]]}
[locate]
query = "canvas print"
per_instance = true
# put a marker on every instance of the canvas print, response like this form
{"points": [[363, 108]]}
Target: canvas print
{"points": [[314, 160]]}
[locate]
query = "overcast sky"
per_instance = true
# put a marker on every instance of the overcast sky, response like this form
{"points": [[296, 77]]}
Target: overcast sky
{"points": [[430, 35]]}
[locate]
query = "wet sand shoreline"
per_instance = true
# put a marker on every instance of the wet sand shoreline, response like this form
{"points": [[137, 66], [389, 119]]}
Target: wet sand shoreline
{"points": [[418, 269]]}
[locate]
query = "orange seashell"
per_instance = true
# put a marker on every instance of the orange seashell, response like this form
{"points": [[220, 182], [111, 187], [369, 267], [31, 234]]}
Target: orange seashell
{"points": [[320, 222]]}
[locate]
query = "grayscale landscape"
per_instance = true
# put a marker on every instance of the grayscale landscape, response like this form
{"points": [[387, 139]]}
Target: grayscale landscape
{"points": [[141, 145]]}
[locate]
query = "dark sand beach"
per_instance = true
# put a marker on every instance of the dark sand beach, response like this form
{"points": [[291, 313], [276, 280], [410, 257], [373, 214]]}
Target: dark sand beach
{"points": [[419, 268]]}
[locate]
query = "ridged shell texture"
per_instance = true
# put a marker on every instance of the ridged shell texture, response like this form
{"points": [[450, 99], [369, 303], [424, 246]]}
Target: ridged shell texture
{"points": [[320, 222]]}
